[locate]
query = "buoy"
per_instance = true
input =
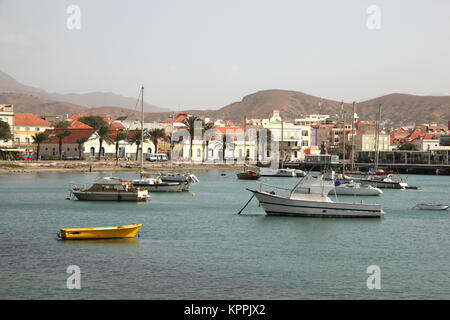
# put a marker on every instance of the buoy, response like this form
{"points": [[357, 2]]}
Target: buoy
{"points": [[193, 194]]}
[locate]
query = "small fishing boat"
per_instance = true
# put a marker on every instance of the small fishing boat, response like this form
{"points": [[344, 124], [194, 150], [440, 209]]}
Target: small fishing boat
{"points": [[379, 181], [157, 185], [309, 199], [128, 231], [110, 189], [431, 206], [357, 189], [269, 172], [248, 175], [185, 178]]}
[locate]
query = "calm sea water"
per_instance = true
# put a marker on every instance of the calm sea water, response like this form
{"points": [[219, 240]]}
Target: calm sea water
{"points": [[195, 246]]}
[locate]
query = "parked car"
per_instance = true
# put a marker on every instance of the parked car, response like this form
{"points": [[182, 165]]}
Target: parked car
{"points": [[156, 157]]}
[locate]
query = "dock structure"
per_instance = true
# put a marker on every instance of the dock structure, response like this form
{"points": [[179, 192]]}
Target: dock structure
{"points": [[435, 162]]}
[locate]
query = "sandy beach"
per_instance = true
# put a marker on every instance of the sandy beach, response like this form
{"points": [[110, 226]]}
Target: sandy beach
{"points": [[108, 165]]}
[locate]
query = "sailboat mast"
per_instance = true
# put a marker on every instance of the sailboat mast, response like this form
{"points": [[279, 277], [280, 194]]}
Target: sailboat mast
{"points": [[377, 137], [353, 138], [142, 131]]}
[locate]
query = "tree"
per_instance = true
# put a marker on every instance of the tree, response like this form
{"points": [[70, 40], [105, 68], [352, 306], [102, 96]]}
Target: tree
{"points": [[62, 124], [61, 135], [207, 126], [119, 137], [155, 135], [5, 131], [39, 138], [102, 136], [95, 122], [80, 142], [190, 124], [136, 138]]}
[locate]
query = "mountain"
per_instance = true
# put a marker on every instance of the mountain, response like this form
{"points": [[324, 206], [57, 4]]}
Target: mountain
{"points": [[397, 109], [92, 99]]}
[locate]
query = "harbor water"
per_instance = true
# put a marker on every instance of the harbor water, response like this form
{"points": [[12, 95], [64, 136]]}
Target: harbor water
{"points": [[194, 245]]}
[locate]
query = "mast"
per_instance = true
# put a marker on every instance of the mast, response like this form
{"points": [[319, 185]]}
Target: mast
{"points": [[353, 138], [171, 141], [142, 131], [343, 152], [377, 137], [282, 147]]}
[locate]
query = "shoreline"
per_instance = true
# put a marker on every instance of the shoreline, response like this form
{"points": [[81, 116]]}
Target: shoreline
{"points": [[10, 167]]}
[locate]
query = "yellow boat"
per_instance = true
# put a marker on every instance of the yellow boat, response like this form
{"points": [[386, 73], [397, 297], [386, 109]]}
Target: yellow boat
{"points": [[128, 231]]}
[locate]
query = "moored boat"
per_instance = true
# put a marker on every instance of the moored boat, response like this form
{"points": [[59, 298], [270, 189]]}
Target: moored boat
{"points": [[269, 172], [248, 175], [309, 199], [110, 189], [357, 189], [157, 185], [127, 231], [431, 206]]}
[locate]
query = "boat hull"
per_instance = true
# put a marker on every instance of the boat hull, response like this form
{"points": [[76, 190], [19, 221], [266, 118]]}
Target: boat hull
{"points": [[359, 191], [110, 196], [128, 231], [164, 187], [280, 206], [434, 207], [250, 175]]}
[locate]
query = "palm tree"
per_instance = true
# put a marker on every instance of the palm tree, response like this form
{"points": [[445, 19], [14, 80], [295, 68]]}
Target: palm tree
{"points": [[80, 142], [207, 126], [190, 124], [39, 138], [102, 133], [137, 140], [62, 124], [61, 135], [156, 134], [119, 137]]}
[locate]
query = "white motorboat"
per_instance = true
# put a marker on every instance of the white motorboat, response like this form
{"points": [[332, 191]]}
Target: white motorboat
{"points": [[269, 172], [357, 189], [110, 189], [185, 178], [378, 181], [430, 206], [309, 198], [157, 185]]}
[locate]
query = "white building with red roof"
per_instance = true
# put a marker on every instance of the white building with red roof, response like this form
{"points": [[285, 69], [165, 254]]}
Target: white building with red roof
{"points": [[27, 125]]}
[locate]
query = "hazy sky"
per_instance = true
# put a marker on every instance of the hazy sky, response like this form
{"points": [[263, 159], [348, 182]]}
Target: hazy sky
{"points": [[209, 53]]}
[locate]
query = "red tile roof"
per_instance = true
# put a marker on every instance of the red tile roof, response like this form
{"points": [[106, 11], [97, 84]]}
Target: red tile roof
{"points": [[29, 119], [75, 124], [75, 134]]}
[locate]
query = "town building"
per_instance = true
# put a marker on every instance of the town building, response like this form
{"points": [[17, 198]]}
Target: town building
{"points": [[26, 126], [7, 115]]}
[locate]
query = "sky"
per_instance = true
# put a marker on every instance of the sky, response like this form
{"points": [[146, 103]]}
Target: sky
{"points": [[210, 53]]}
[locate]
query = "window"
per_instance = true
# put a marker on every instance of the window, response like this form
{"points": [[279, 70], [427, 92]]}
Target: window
{"points": [[149, 150], [37, 129], [305, 133], [102, 152], [68, 149], [27, 140], [305, 143], [92, 153], [18, 140], [199, 153]]}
